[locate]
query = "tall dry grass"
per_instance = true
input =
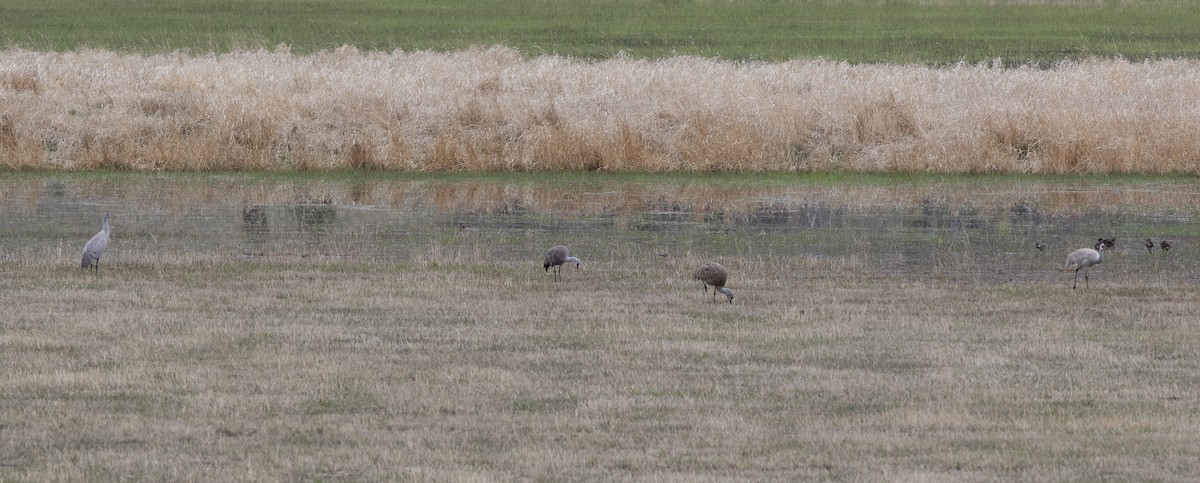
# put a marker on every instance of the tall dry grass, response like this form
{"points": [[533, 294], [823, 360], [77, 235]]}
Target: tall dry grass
{"points": [[492, 109]]}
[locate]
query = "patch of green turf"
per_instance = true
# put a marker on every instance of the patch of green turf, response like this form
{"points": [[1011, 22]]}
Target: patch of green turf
{"points": [[851, 30]]}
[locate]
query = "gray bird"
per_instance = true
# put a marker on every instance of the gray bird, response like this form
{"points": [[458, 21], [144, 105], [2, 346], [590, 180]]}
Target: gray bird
{"points": [[712, 273], [1084, 258], [556, 257], [95, 247]]}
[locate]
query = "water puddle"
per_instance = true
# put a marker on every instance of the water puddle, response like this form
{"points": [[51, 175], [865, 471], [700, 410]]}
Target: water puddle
{"points": [[936, 231]]}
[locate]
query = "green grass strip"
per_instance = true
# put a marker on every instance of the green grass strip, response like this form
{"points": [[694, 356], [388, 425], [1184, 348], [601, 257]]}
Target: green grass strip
{"points": [[852, 30]]}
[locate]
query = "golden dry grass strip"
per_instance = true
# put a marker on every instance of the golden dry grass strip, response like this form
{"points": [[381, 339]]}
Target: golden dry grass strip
{"points": [[452, 368], [492, 109]]}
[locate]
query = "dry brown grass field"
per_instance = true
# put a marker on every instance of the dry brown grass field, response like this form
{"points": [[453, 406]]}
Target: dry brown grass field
{"points": [[493, 109], [451, 367], [373, 337]]}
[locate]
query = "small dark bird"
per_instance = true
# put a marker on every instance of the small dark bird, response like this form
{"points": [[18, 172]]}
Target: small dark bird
{"points": [[1084, 258], [1149, 245], [712, 273], [556, 257], [1041, 245], [96, 247], [1109, 243], [1164, 245]]}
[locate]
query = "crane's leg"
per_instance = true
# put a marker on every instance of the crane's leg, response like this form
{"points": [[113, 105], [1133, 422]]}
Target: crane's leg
{"points": [[1085, 280], [1076, 284]]}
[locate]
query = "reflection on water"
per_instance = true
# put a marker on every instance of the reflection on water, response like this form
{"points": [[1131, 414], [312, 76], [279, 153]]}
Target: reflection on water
{"points": [[957, 230], [257, 227]]}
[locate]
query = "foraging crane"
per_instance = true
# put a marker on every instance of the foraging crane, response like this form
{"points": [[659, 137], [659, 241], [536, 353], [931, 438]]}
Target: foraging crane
{"points": [[95, 247], [556, 257], [1084, 258], [712, 273]]}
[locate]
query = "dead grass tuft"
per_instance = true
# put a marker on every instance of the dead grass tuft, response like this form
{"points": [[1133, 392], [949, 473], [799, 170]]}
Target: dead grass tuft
{"points": [[23, 79]]}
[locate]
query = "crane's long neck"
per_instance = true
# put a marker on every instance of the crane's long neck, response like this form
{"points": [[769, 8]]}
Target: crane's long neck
{"points": [[728, 293], [105, 227], [574, 260]]}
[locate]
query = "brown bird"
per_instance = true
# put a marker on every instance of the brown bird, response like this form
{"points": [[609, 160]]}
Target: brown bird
{"points": [[556, 257], [712, 273], [1084, 258], [1149, 245], [1109, 243], [1164, 245]]}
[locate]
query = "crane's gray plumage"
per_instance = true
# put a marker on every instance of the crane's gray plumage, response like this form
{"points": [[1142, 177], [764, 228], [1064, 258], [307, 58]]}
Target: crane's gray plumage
{"points": [[95, 247], [712, 273], [1084, 258], [556, 257]]}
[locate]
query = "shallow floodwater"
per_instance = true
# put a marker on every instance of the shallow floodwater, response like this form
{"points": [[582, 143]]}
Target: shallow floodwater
{"points": [[958, 230]]}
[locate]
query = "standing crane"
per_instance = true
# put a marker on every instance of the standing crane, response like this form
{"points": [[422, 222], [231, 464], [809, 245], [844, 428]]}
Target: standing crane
{"points": [[556, 257], [95, 247], [1084, 258], [712, 273]]}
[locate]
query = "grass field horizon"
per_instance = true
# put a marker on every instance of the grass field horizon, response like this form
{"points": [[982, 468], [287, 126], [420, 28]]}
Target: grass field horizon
{"points": [[928, 32]]}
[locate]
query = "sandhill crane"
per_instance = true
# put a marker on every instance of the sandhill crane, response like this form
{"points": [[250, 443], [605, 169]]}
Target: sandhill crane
{"points": [[1041, 245], [1084, 258], [1149, 245], [1164, 245], [712, 273], [556, 257], [95, 247]]}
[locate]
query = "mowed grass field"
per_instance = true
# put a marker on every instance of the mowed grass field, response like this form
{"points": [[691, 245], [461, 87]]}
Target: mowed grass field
{"points": [[926, 32], [453, 368]]}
